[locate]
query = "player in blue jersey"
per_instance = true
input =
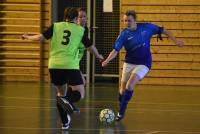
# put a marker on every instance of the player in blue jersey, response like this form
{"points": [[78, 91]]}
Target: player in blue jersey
{"points": [[135, 38]]}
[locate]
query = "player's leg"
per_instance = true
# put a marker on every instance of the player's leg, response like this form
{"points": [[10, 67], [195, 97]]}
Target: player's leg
{"points": [[138, 73], [75, 93], [80, 89], [127, 95], [122, 89], [126, 72], [59, 78], [60, 86], [76, 90], [83, 78], [64, 116], [77, 110], [62, 101]]}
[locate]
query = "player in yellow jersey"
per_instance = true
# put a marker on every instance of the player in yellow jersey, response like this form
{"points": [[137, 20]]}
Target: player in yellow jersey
{"points": [[66, 38]]}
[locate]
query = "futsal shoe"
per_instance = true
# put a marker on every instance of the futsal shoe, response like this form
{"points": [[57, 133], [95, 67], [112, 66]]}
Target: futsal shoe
{"points": [[66, 125], [119, 117], [65, 105]]}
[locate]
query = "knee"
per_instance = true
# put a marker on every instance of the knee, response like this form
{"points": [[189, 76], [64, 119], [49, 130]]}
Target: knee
{"points": [[56, 88], [61, 90], [132, 82], [130, 86], [82, 95]]}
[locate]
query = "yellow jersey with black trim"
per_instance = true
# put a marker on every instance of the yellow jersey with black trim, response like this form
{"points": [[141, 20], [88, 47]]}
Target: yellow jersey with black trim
{"points": [[65, 44]]}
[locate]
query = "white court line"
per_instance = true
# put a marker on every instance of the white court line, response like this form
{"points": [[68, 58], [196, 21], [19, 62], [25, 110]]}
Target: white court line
{"points": [[103, 101], [27, 107], [153, 132], [92, 108], [161, 110], [26, 98], [127, 130]]}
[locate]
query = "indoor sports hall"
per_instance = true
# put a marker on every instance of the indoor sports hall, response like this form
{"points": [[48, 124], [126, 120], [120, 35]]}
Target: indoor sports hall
{"points": [[165, 101]]}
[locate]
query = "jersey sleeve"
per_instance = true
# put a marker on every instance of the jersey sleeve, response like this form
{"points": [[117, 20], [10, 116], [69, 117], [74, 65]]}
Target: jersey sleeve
{"points": [[48, 33], [86, 31], [119, 43], [156, 29], [85, 40]]}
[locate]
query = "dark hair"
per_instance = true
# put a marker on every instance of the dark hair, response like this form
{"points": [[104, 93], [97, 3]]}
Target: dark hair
{"points": [[70, 13], [81, 9], [131, 13]]}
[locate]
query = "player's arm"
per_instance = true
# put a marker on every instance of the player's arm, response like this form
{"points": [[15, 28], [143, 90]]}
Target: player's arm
{"points": [[37, 37], [116, 48], [94, 51], [110, 57], [88, 44], [40, 37], [91, 48], [173, 38]]}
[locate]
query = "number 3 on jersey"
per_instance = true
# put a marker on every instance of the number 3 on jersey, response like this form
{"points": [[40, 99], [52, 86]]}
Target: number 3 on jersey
{"points": [[66, 38]]}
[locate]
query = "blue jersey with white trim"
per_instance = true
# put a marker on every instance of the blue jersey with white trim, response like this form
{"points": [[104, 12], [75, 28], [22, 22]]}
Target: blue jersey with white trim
{"points": [[137, 43]]}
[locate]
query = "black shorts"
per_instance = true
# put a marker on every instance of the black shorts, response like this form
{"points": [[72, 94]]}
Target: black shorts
{"points": [[66, 76]]}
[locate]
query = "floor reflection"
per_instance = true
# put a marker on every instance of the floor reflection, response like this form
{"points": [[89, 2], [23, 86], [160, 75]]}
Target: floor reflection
{"points": [[29, 108]]}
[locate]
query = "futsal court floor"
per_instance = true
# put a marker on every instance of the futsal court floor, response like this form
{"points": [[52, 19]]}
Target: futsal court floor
{"points": [[29, 108]]}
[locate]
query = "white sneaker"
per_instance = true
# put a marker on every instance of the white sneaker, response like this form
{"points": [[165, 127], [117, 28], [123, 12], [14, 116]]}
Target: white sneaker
{"points": [[119, 117]]}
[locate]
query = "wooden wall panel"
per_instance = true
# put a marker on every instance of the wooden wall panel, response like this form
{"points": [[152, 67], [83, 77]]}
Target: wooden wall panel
{"points": [[163, 9], [171, 65], [47, 17], [22, 21], [161, 2], [22, 60]]}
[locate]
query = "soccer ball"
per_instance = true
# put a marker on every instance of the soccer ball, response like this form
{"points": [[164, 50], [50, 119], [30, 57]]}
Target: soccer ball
{"points": [[107, 116]]}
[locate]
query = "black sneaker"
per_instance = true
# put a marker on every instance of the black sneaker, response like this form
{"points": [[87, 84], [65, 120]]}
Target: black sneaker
{"points": [[65, 105], [66, 125], [119, 117], [75, 109]]}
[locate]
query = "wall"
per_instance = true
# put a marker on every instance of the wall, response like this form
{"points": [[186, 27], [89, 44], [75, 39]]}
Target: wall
{"points": [[171, 65], [22, 60]]}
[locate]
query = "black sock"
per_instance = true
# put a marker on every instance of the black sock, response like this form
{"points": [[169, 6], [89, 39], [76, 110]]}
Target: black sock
{"points": [[73, 96]]}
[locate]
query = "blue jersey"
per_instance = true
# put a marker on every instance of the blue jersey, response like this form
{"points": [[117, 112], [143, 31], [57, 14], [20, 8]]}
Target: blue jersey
{"points": [[137, 43]]}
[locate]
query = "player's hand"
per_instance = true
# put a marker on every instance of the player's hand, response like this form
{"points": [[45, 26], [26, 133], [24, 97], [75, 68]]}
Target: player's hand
{"points": [[101, 58], [24, 36], [179, 43], [104, 63]]}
